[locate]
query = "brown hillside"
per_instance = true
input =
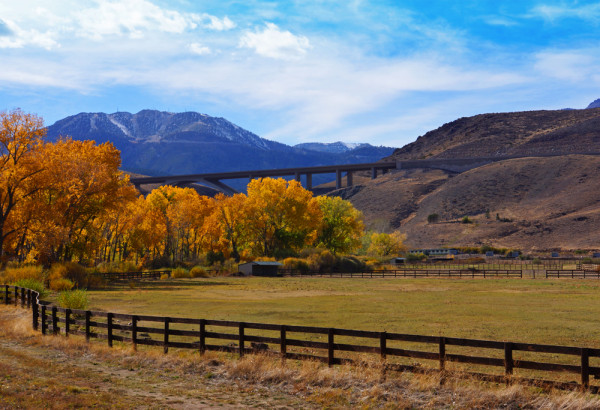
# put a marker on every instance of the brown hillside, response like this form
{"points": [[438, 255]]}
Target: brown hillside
{"points": [[542, 203], [505, 134]]}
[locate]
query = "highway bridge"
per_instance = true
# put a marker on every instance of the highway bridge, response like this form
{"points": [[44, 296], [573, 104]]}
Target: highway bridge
{"points": [[214, 180]]}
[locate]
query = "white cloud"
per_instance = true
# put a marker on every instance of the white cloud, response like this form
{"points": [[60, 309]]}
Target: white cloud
{"points": [[590, 12], [275, 43], [215, 23], [199, 49], [16, 37], [569, 65], [131, 18]]}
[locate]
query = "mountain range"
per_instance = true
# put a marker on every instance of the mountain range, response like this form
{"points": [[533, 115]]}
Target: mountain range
{"points": [[163, 143]]}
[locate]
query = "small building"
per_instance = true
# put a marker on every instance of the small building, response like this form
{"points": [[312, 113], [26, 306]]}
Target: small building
{"points": [[555, 254], [259, 268], [596, 255], [489, 253], [398, 261]]}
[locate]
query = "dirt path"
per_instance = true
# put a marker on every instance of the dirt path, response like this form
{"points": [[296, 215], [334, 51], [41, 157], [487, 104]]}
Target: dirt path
{"points": [[38, 372]]}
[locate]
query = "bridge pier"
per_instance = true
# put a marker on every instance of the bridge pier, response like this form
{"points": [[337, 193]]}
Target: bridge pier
{"points": [[309, 182], [297, 176], [349, 178], [373, 173], [338, 178]]}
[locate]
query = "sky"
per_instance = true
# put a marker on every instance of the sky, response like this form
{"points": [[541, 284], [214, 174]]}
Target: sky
{"points": [[382, 72]]}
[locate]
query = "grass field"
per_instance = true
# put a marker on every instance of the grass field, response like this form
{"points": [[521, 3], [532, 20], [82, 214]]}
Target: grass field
{"points": [[564, 312]]}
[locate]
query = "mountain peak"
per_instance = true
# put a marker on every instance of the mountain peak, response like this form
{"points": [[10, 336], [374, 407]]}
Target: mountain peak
{"points": [[594, 104]]}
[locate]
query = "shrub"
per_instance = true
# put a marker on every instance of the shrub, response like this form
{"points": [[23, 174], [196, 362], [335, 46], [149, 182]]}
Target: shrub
{"points": [[74, 272], [296, 264], [180, 273], [466, 220], [11, 275], [33, 284], [73, 299], [164, 276], [536, 261], [214, 257], [198, 272], [414, 257], [61, 284], [432, 218]]}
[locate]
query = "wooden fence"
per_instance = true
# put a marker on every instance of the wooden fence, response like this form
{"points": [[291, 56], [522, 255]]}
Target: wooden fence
{"points": [[579, 274], [135, 275], [329, 345], [410, 273]]}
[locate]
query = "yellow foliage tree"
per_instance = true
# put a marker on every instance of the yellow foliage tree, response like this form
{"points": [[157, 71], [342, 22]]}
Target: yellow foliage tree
{"points": [[281, 217], [383, 244], [20, 139], [342, 227]]}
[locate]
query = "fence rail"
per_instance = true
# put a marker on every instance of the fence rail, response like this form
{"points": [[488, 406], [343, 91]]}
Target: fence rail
{"points": [[303, 342], [410, 273], [135, 275], [574, 273]]}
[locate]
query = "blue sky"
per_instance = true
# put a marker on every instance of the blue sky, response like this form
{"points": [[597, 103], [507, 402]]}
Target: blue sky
{"points": [[382, 72]]}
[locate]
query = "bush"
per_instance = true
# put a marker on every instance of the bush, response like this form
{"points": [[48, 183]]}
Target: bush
{"points": [[11, 275], [61, 284], [180, 273], [74, 272], [432, 218], [415, 257], [466, 220], [296, 264], [536, 261], [33, 284], [164, 276], [198, 272], [74, 299]]}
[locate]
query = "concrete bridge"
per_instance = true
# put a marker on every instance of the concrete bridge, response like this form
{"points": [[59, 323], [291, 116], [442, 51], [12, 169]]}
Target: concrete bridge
{"points": [[213, 180]]}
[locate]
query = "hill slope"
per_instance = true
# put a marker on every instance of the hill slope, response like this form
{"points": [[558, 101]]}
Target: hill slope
{"points": [[541, 203]]}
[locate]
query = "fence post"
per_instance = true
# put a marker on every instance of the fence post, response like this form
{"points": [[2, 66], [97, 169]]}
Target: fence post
{"points": [[54, 320], [202, 336], [28, 298], [67, 322], [109, 330], [283, 342], [585, 368], [6, 294], [330, 349], [16, 296], [88, 316], [166, 337], [35, 315], [44, 324], [442, 351], [22, 297], [241, 342], [134, 321], [508, 360], [383, 345]]}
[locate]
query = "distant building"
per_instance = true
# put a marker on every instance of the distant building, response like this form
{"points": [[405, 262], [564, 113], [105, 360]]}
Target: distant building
{"points": [[259, 268], [435, 252], [398, 261]]}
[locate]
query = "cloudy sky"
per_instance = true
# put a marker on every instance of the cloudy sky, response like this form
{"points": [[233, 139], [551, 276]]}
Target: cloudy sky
{"points": [[382, 72]]}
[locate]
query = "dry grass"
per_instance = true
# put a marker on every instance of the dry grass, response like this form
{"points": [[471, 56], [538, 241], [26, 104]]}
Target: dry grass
{"points": [[58, 372]]}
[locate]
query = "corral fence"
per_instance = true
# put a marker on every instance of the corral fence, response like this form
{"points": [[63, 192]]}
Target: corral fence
{"points": [[135, 275], [329, 345], [574, 273], [410, 273]]}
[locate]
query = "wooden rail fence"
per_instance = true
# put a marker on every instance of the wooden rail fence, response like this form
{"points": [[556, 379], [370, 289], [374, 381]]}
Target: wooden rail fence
{"points": [[298, 342], [135, 275], [579, 274], [410, 273]]}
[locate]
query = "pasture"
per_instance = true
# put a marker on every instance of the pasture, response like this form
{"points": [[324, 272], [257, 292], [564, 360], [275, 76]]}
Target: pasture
{"points": [[562, 312]]}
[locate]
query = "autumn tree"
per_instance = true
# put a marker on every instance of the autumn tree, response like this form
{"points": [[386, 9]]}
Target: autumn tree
{"points": [[383, 244], [342, 227], [83, 183], [282, 217], [226, 225], [20, 137]]}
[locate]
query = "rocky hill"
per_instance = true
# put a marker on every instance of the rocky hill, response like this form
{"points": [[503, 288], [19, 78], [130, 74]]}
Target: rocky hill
{"points": [[526, 203]]}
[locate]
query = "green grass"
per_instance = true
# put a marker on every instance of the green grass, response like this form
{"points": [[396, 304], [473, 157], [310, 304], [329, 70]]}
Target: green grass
{"points": [[565, 312]]}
